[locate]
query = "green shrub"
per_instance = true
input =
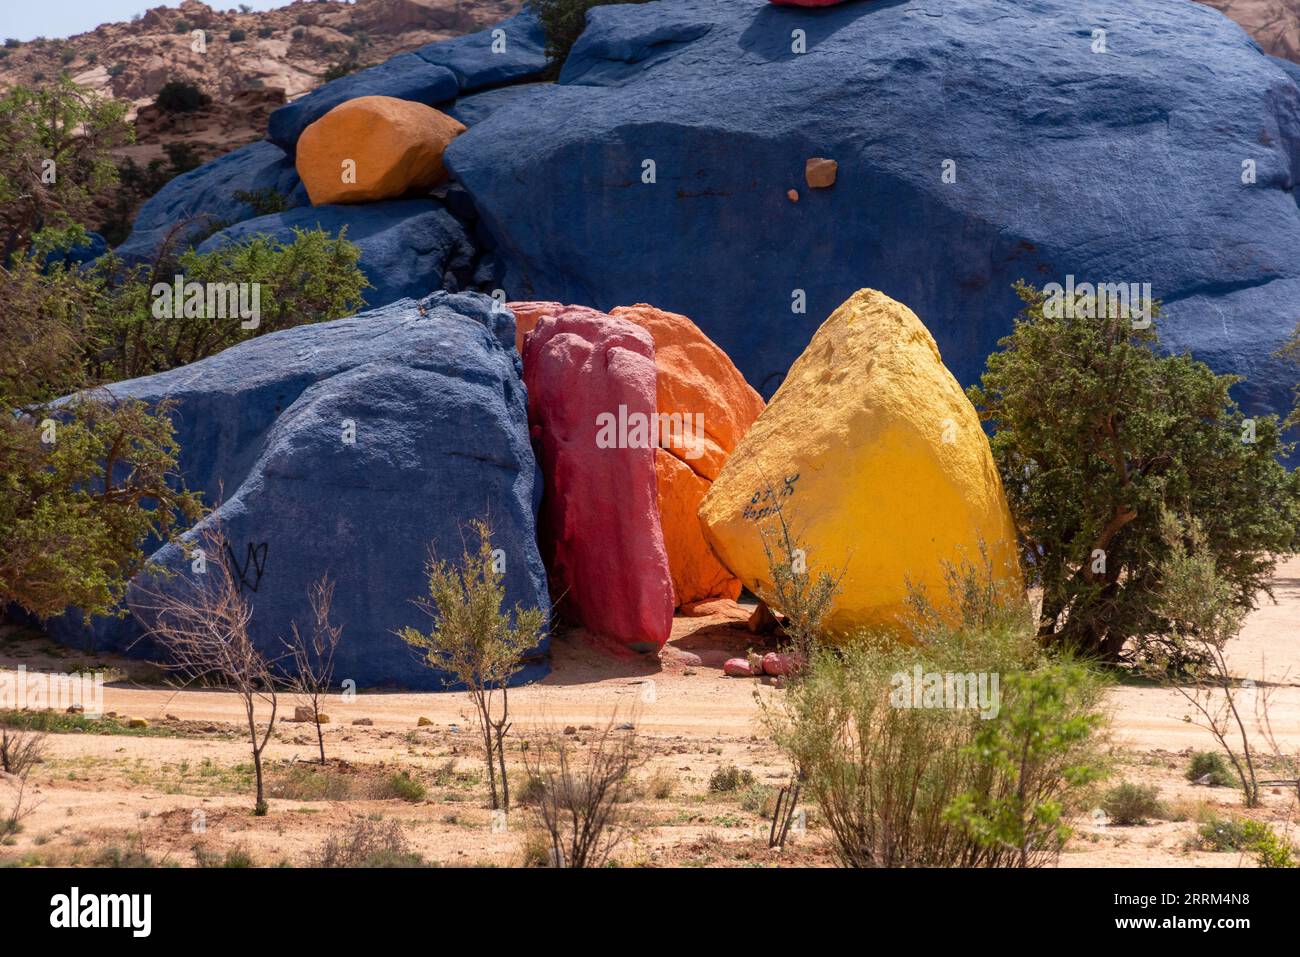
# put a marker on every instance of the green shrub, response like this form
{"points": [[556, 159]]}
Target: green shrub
{"points": [[729, 778], [1129, 803], [117, 69], [237, 36], [180, 96], [906, 786], [265, 32], [311, 782], [181, 26], [564, 21], [1212, 763], [759, 799], [1243, 834], [401, 785]]}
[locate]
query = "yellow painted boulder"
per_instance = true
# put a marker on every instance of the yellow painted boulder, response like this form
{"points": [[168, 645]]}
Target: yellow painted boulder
{"points": [[372, 148], [876, 460]]}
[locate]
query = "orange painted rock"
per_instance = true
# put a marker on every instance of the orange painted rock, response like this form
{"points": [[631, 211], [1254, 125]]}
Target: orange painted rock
{"points": [[705, 408], [526, 316], [373, 148], [591, 398]]}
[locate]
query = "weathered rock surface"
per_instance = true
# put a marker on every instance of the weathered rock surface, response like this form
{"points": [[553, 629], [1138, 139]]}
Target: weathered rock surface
{"points": [[705, 407], [966, 162], [374, 148], [352, 447], [878, 463], [409, 248], [194, 203], [599, 525]]}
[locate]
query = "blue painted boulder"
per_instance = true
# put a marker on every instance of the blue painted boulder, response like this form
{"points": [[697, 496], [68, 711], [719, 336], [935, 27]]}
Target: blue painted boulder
{"points": [[195, 203], [409, 247], [977, 141], [352, 448], [510, 52], [91, 248], [404, 77]]}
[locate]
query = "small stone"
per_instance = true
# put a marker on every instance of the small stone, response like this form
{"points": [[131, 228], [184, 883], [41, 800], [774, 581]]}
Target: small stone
{"points": [[820, 172], [737, 668], [76, 709], [570, 729], [322, 719], [171, 717], [363, 723], [302, 713], [792, 195], [423, 722]]}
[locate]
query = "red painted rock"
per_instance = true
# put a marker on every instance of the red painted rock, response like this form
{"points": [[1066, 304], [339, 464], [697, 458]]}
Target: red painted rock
{"points": [[705, 408], [591, 396], [737, 668]]}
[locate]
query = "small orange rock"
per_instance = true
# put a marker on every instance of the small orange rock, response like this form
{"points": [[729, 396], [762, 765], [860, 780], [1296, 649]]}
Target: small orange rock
{"points": [[373, 148], [820, 172], [793, 195]]}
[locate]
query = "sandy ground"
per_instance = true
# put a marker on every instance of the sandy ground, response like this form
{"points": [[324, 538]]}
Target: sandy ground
{"points": [[100, 797]]}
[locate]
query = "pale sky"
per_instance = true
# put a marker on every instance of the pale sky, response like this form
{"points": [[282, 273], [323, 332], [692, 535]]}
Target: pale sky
{"points": [[54, 19]]}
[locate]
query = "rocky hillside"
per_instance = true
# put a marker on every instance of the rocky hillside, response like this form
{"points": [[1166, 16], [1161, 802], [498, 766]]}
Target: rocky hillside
{"points": [[248, 63], [1275, 24]]}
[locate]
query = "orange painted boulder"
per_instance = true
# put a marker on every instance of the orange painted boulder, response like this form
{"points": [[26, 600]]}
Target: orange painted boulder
{"points": [[373, 148], [705, 408], [591, 399]]}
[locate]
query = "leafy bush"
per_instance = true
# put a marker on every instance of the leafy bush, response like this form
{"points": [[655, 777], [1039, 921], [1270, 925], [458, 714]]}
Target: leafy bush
{"points": [[1244, 834], [1095, 433], [265, 32], [179, 96], [181, 26], [903, 786], [1211, 763], [1129, 803], [237, 36], [117, 69], [730, 778], [564, 21], [401, 785]]}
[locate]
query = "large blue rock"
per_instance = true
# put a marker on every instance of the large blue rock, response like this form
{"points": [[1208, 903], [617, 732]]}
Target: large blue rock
{"points": [[195, 203], [404, 77], [409, 247], [1122, 166], [434, 394], [512, 51]]}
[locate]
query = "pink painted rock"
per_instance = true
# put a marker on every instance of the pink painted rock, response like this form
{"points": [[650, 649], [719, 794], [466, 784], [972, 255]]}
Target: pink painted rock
{"points": [[775, 663], [737, 668], [591, 379], [526, 316]]}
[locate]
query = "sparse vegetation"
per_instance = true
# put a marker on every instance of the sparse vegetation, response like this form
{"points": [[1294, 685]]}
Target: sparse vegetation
{"points": [[367, 843], [478, 644], [311, 658], [1249, 836], [578, 807], [1127, 804], [729, 778]]}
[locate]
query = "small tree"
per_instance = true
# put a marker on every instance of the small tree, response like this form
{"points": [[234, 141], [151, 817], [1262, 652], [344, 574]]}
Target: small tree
{"points": [[312, 658], [578, 800], [477, 644], [1095, 432], [1203, 614], [21, 749], [203, 626]]}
